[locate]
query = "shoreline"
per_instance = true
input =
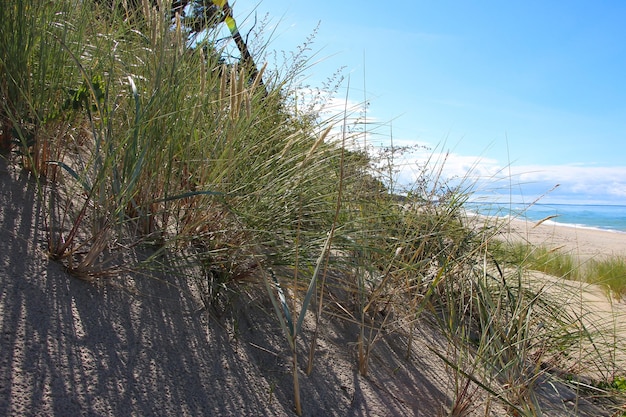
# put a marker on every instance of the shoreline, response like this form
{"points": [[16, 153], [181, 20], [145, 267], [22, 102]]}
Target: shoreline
{"points": [[607, 217], [581, 241]]}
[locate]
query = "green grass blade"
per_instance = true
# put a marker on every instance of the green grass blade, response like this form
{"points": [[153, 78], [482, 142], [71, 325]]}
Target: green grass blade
{"points": [[285, 306], [86, 186], [312, 284], [189, 194], [277, 308]]}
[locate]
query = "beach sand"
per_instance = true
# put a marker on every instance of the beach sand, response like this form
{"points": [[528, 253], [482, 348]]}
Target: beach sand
{"points": [[579, 241]]}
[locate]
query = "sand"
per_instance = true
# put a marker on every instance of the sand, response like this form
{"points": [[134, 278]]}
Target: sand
{"points": [[145, 346], [578, 241]]}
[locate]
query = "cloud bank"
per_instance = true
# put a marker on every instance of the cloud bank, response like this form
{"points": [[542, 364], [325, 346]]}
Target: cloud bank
{"points": [[489, 179], [485, 178]]}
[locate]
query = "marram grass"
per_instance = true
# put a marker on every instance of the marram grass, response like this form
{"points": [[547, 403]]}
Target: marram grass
{"points": [[607, 271]]}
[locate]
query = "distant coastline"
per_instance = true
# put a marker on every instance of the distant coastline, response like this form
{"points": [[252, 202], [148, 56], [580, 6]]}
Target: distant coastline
{"points": [[609, 217]]}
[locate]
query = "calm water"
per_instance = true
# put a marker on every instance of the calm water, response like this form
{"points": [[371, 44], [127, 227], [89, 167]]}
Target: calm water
{"points": [[605, 217]]}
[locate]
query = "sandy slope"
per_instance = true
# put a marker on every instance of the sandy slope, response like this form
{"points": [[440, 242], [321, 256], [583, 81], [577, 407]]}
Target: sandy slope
{"points": [[143, 347], [68, 347]]}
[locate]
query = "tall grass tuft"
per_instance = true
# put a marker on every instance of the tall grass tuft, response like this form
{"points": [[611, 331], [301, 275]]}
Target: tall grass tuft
{"points": [[608, 272]]}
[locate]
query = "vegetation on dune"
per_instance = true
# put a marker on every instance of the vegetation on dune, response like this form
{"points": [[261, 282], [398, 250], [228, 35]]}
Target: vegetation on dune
{"points": [[139, 137], [606, 271]]}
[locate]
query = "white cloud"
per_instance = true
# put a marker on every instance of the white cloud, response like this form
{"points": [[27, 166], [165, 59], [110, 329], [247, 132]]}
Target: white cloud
{"points": [[488, 177], [591, 182]]}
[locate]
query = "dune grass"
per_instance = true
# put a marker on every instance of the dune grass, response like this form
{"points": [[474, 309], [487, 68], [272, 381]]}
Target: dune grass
{"points": [[607, 271], [138, 139]]}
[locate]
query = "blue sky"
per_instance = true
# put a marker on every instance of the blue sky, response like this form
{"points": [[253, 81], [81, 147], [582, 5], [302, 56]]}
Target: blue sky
{"points": [[525, 94]]}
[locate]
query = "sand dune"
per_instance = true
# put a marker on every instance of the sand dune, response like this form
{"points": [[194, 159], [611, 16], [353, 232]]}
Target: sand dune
{"points": [[145, 347]]}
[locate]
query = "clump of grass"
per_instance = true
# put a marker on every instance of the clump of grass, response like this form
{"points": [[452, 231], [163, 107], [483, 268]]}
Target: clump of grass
{"points": [[606, 271], [609, 272], [512, 335], [538, 258], [554, 262]]}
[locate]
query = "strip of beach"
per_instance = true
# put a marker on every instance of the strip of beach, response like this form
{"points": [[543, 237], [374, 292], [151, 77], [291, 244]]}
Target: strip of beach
{"points": [[582, 242]]}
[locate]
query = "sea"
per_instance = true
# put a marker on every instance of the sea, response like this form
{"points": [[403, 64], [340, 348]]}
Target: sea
{"points": [[593, 216]]}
